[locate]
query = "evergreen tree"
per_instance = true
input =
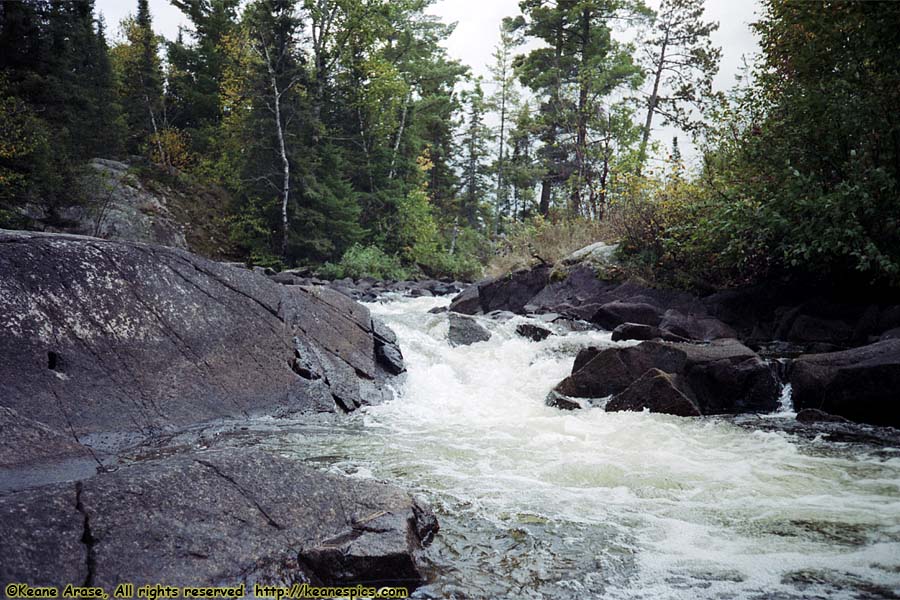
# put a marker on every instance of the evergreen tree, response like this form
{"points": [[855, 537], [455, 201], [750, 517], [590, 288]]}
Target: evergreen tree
{"points": [[578, 68], [475, 165], [504, 97], [195, 69], [682, 60], [140, 89]]}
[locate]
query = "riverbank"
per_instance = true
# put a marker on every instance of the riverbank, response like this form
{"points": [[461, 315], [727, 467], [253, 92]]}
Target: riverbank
{"points": [[125, 366]]}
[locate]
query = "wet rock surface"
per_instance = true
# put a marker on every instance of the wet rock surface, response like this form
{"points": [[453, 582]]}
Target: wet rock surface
{"points": [[121, 363], [682, 379], [860, 384], [209, 517], [465, 331]]}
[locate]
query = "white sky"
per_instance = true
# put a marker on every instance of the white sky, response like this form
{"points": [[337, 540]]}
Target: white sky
{"points": [[477, 32]]}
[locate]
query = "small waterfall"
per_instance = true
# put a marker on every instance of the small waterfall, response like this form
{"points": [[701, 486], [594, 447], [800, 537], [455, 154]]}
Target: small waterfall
{"points": [[540, 503]]}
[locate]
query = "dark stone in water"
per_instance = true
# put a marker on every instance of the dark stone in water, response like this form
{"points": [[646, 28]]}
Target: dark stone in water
{"points": [[533, 332], [719, 378], [464, 331], [860, 384]]}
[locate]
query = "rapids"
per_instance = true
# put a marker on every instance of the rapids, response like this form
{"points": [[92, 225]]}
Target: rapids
{"points": [[535, 502]]}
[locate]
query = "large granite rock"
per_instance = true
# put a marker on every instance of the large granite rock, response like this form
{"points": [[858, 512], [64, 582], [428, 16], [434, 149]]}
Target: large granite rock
{"points": [[104, 336], [116, 354], [724, 377], [860, 384], [119, 207], [213, 518]]}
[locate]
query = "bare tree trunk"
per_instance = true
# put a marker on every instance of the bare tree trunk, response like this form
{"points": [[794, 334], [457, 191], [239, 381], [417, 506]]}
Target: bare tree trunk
{"points": [[651, 105], [392, 172], [544, 206], [500, 158], [285, 163]]}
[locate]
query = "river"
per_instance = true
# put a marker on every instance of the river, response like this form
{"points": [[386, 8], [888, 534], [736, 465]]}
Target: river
{"points": [[538, 503]]}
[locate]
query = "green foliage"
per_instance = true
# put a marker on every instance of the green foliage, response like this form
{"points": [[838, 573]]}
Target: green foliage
{"points": [[365, 261], [810, 153]]}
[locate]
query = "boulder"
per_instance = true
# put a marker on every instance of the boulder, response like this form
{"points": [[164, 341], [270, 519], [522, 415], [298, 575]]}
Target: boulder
{"points": [[121, 208], [387, 348], [809, 329], [599, 253], [860, 384], [701, 327], [719, 378], [611, 315], [635, 331], [465, 331], [580, 286], [533, 332], [114, 336], [512, 292], [207, 518], [468, 302], [659, 392]]}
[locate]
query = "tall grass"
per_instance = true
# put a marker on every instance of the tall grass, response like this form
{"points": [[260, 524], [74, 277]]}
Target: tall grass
{"points": [[542, 241]]}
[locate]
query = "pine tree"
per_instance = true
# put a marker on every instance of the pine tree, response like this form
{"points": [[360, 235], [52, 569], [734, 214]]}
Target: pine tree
{"points": [[502, 100], [475, 167], [580, 66], [682, 62], [137, 63]]}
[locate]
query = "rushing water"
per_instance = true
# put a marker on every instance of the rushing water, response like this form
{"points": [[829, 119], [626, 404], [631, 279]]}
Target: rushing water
{"points": [[539, 503]]}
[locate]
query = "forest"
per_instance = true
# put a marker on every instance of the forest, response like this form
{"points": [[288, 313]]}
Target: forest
{"points": [[346, 139]]}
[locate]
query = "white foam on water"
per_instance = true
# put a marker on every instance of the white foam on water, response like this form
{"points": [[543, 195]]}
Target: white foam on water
{"points": [[655, 506]]}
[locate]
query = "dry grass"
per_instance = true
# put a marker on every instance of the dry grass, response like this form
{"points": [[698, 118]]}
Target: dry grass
{"points": [[535, 241]]}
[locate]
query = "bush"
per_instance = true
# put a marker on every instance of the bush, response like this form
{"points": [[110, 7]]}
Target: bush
{"points": [[365, 261], [538, 239], [673, 231]]}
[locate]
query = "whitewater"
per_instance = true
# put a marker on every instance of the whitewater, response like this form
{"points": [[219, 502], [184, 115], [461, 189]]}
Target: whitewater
{"points": [[535, 502]]}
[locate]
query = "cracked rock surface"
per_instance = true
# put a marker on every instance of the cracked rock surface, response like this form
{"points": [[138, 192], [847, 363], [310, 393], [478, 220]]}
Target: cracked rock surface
{"points": [[103, 336], [217, 517], [121, 363]]}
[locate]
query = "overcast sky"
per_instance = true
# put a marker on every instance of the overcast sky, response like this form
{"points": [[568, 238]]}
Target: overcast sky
{"points": [[477, 32]]}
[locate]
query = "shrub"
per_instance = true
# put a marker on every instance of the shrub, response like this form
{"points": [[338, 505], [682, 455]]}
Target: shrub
{"points": [[365, 261]]}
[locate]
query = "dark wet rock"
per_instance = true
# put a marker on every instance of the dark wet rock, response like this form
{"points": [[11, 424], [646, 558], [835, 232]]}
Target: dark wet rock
{"points": [[598, 374], [556, 400], [468, 302], [860, 384], [438, 310], [890, 334], [113, 336], [206, 518], [387, 348], [611, 315], [659, 392], [465, 331], [533, 332], [512, 292], [635, 331], [808, 329], [723, 377], [580, 286], [702, 328], [812, 415]]}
